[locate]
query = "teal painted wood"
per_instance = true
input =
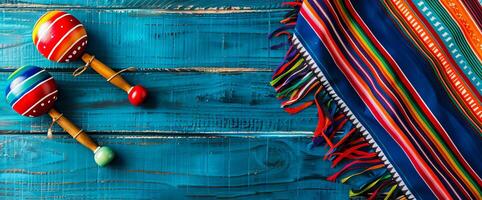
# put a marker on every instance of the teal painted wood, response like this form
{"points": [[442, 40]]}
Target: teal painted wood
{"points": [[179, 102], [204, 134], [153, 39], [148, 4], [166, 167]]}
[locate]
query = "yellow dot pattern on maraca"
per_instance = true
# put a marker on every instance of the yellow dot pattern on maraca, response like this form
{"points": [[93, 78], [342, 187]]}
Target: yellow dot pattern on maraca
{"points": [[59, 36]]}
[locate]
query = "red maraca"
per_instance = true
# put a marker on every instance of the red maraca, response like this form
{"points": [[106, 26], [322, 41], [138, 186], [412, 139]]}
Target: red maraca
{"points": [[32, 92], [60, 37]]}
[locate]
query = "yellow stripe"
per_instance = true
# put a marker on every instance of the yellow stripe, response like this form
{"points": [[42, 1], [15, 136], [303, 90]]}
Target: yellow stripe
{"points": [[459, 170], [440, 147], [44, 18]]}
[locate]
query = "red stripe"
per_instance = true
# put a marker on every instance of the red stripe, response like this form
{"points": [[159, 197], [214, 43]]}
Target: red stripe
{"points": [[57, 32], [453, 63], [431, 179], [398, 104], [33, 96], [418, 133], [431, 117]]}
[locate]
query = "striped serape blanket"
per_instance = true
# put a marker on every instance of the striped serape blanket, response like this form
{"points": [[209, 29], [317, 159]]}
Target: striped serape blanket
{"points": [[397, 84]]}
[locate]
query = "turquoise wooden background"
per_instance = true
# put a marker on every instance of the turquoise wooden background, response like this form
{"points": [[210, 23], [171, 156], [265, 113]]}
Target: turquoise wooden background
{"points": [[211, 128]]}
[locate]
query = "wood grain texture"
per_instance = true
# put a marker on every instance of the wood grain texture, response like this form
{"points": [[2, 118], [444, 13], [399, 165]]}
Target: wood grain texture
{"points": [[147, 4], [211, 128], [166, 167], [150, 39], [179, 102]]}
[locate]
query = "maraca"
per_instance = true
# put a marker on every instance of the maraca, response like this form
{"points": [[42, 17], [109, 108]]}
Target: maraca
{"points": [[60, 37], [32, 91]]}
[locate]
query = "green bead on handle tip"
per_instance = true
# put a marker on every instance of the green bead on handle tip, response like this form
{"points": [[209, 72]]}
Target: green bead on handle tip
{"points": [[103, 156]]}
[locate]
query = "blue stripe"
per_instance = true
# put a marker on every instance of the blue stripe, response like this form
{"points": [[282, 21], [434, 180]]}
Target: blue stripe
{"points": [[423, 78], [450, 43], [18, 93], [25, 71], [345, 91]]}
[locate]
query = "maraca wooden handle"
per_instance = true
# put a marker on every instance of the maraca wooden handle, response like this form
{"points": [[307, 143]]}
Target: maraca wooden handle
{"points": [[73, 130], [106, 72]]}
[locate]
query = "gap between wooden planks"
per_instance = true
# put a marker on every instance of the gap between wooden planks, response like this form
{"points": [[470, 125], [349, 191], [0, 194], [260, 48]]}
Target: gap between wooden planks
{"points": [[148, 4], [179, 102], [166, 167], [155, 69], [145, 11]]}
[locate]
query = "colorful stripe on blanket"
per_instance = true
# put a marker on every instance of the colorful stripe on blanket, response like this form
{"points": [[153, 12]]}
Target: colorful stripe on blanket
{"points": [[397, 84]]}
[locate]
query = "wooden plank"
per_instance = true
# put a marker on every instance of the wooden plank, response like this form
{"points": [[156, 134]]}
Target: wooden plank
{"points": [[147, 4], [170, 167], [179, 102], [153, 39]]}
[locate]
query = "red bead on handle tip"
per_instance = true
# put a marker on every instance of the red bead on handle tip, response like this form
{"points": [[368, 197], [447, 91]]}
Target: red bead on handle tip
{"points": [[137, 95], [60, 37]]}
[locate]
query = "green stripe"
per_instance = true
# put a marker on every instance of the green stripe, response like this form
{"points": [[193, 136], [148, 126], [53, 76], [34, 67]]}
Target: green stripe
{"points": [[407, 94], [369, 186], [298, 84], [21, 88], [298, 63], [458, 37], [16, 72]]}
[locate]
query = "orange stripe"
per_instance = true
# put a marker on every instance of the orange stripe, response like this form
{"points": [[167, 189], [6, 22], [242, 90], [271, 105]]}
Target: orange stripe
{"points": [[67, 42], [464, 93], [466, 23], [405, 100], [435, 50], [433, 63], [424, 171]]}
